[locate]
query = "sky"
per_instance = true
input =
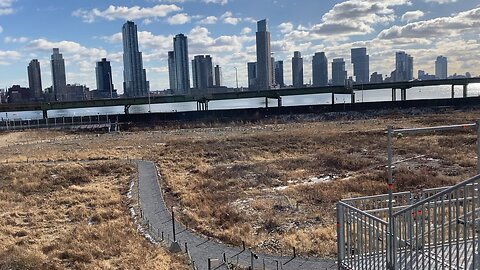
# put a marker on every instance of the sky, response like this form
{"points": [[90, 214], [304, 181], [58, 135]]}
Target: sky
{"points": [[88, 30]]}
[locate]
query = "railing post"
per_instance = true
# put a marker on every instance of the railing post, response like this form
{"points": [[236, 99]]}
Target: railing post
{"points": [[340, 235], [478, 146], [390, 233]]}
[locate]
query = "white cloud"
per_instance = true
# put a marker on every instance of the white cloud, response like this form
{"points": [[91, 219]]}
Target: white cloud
{"points": [[229, 19], [146, 40], [285, 27], [436, 28], [180, 18], [209, 20], [411, 16], [76, 50], [441, 1], [221, 2], [246, 31], [15, 40], [346, 19], [125, 13], [6, 7]]}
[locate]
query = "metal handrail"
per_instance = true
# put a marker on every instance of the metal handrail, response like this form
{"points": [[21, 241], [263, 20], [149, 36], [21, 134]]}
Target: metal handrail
{"points": [[363, 213], [430, 129], [440, 194]]}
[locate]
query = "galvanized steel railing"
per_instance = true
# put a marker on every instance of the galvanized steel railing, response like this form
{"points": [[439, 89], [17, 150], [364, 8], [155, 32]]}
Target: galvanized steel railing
{"points": [[437, 229], [439, 232]]}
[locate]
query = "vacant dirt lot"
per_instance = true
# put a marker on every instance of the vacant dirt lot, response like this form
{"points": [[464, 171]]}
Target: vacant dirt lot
{"points": [[274, 184]]}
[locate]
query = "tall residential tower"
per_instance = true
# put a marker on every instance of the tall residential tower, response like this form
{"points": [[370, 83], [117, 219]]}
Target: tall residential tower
{"points": [[264, 78], [297, 70], [103, 71], [182, 68], [35, 78], [320, 69], [339, 74], [202, 70], [59, 80], [361, 65], [403, 67], [134, 75], [441, 67]]}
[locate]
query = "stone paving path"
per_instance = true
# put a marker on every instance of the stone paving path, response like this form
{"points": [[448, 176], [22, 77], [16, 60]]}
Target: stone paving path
{"points": [[201, 248]]}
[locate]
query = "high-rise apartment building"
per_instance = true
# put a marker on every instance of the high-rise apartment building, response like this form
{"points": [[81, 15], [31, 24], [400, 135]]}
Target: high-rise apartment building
{"points": [[279, 78], [376, 78], [403, 67], [35, 79], [361, 65], [264, 78], [297, 70], [103, 70], [218, 80], [320, 69], [339, 74], [59, 80], [441, 67], [182, 67], [171, 71], [202, 70], [252, 75], [135, 82]]}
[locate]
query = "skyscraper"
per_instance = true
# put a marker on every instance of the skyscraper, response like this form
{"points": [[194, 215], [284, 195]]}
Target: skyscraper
{"points": [[297, 69], [182, 68], [339, 74], [59, 80], [403, 67], [279, 78], [103, 71], [441, 67], [134, 75], [171, 71], [218, 76], [264, 79], [361, 65], [320, 69], [202, 70], [35, 78], [252, 75]]}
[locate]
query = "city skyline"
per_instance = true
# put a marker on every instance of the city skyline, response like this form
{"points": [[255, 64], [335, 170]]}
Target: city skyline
{"points": [[233, 45]]}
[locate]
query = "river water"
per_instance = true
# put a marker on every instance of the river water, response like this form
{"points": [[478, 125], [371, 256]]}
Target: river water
{"points": [[433, 92]]}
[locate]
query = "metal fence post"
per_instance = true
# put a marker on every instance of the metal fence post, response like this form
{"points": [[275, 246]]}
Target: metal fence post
{"points": [[391, 237], [478, 146], [173, 226], [340, 235]]}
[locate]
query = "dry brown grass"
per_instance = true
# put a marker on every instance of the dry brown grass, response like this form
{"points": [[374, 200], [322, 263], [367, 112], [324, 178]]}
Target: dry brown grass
{"points": [[72, 216], [260, 183]]}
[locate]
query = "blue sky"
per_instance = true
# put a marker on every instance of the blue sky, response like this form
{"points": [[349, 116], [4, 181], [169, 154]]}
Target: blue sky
{"points": [[88, 30]]}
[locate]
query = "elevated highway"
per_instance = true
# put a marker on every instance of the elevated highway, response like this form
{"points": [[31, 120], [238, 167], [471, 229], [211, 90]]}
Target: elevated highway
{"points": [[203, 99]]}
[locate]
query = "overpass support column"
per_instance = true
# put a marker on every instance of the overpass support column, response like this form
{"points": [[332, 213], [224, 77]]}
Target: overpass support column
{"points": [[266, 102], [394, 94], [453, 91], [279, 99], [404, 94], [333, 98], [127, 108], [45, 114], [465, 91], [353, 98]]}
